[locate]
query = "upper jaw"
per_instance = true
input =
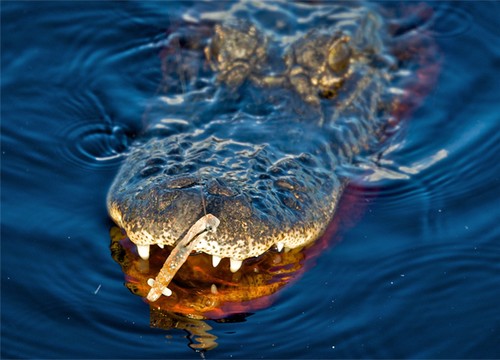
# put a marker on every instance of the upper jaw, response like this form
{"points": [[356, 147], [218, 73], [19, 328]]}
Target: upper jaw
{"points": [[244, 231], [166, 215], [233, 240], [236, 239]]}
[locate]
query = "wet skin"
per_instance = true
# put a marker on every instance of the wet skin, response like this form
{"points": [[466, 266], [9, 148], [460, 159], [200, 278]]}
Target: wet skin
{"points": [[271, 173]]}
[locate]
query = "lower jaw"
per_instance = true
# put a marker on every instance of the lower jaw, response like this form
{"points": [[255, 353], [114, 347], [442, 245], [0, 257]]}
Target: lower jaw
{"points": [[201, 291]]}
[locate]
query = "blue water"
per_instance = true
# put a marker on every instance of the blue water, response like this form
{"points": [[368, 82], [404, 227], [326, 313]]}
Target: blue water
{"points": [[417, 275]]}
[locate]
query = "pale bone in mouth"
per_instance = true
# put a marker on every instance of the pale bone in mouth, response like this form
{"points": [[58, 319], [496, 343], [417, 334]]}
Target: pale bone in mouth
{"points": [[179, 255]]}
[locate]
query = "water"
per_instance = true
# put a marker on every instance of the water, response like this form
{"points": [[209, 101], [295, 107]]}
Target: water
{"points": [[417, 275]]}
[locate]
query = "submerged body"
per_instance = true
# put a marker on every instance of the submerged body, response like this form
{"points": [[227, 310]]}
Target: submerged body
{"points": [[257, 131]]}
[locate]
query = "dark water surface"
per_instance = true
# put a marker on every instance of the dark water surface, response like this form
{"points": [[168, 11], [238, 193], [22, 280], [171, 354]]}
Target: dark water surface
{"points": [[418, 275]]}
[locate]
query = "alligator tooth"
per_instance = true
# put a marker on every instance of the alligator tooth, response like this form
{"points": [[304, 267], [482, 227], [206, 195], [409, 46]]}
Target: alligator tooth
{"points": [[161, 246], [235, 265], [215, 260], [151, 282], [143, 251], [213, 289], [280, 246]]}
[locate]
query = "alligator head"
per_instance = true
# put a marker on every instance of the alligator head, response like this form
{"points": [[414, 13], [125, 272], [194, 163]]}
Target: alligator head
{"points": [[256, 138]]}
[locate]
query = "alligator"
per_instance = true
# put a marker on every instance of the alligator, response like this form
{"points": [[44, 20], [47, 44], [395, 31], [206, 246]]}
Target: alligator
{"points": [[256, 129]]}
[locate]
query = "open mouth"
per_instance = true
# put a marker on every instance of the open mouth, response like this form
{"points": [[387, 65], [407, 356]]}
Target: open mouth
{"points": [[198, 289]]}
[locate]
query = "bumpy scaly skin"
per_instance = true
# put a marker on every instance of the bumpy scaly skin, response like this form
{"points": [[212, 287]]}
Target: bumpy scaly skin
{"points": [[266, 187], [158, 209]]}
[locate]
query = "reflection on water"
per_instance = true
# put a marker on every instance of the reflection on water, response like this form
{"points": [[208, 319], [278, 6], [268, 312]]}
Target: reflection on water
{"points": [[200, 338], [416, 276], [202, 291]]}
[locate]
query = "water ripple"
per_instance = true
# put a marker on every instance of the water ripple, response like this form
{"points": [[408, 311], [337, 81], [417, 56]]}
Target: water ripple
{"points": [[449, 20], [366, 306], [94, 145], [416, 277]]}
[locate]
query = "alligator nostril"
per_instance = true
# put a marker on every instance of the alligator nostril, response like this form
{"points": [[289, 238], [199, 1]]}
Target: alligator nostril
{"points": [[218, 187], [182, 182]]}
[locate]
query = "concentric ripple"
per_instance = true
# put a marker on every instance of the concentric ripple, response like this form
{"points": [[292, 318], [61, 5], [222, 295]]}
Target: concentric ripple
{"points": [[94, 145]]}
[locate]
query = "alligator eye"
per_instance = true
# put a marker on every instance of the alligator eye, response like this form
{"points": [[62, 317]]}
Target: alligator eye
{"points": [[215, 53], [339, 56]]}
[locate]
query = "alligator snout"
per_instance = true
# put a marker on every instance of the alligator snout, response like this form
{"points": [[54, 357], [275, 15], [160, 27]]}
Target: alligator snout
{"points": [[173, 205]]}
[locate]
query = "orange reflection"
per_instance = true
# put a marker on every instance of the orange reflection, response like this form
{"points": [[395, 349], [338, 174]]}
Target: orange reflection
{"points": [[201, 291]]}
